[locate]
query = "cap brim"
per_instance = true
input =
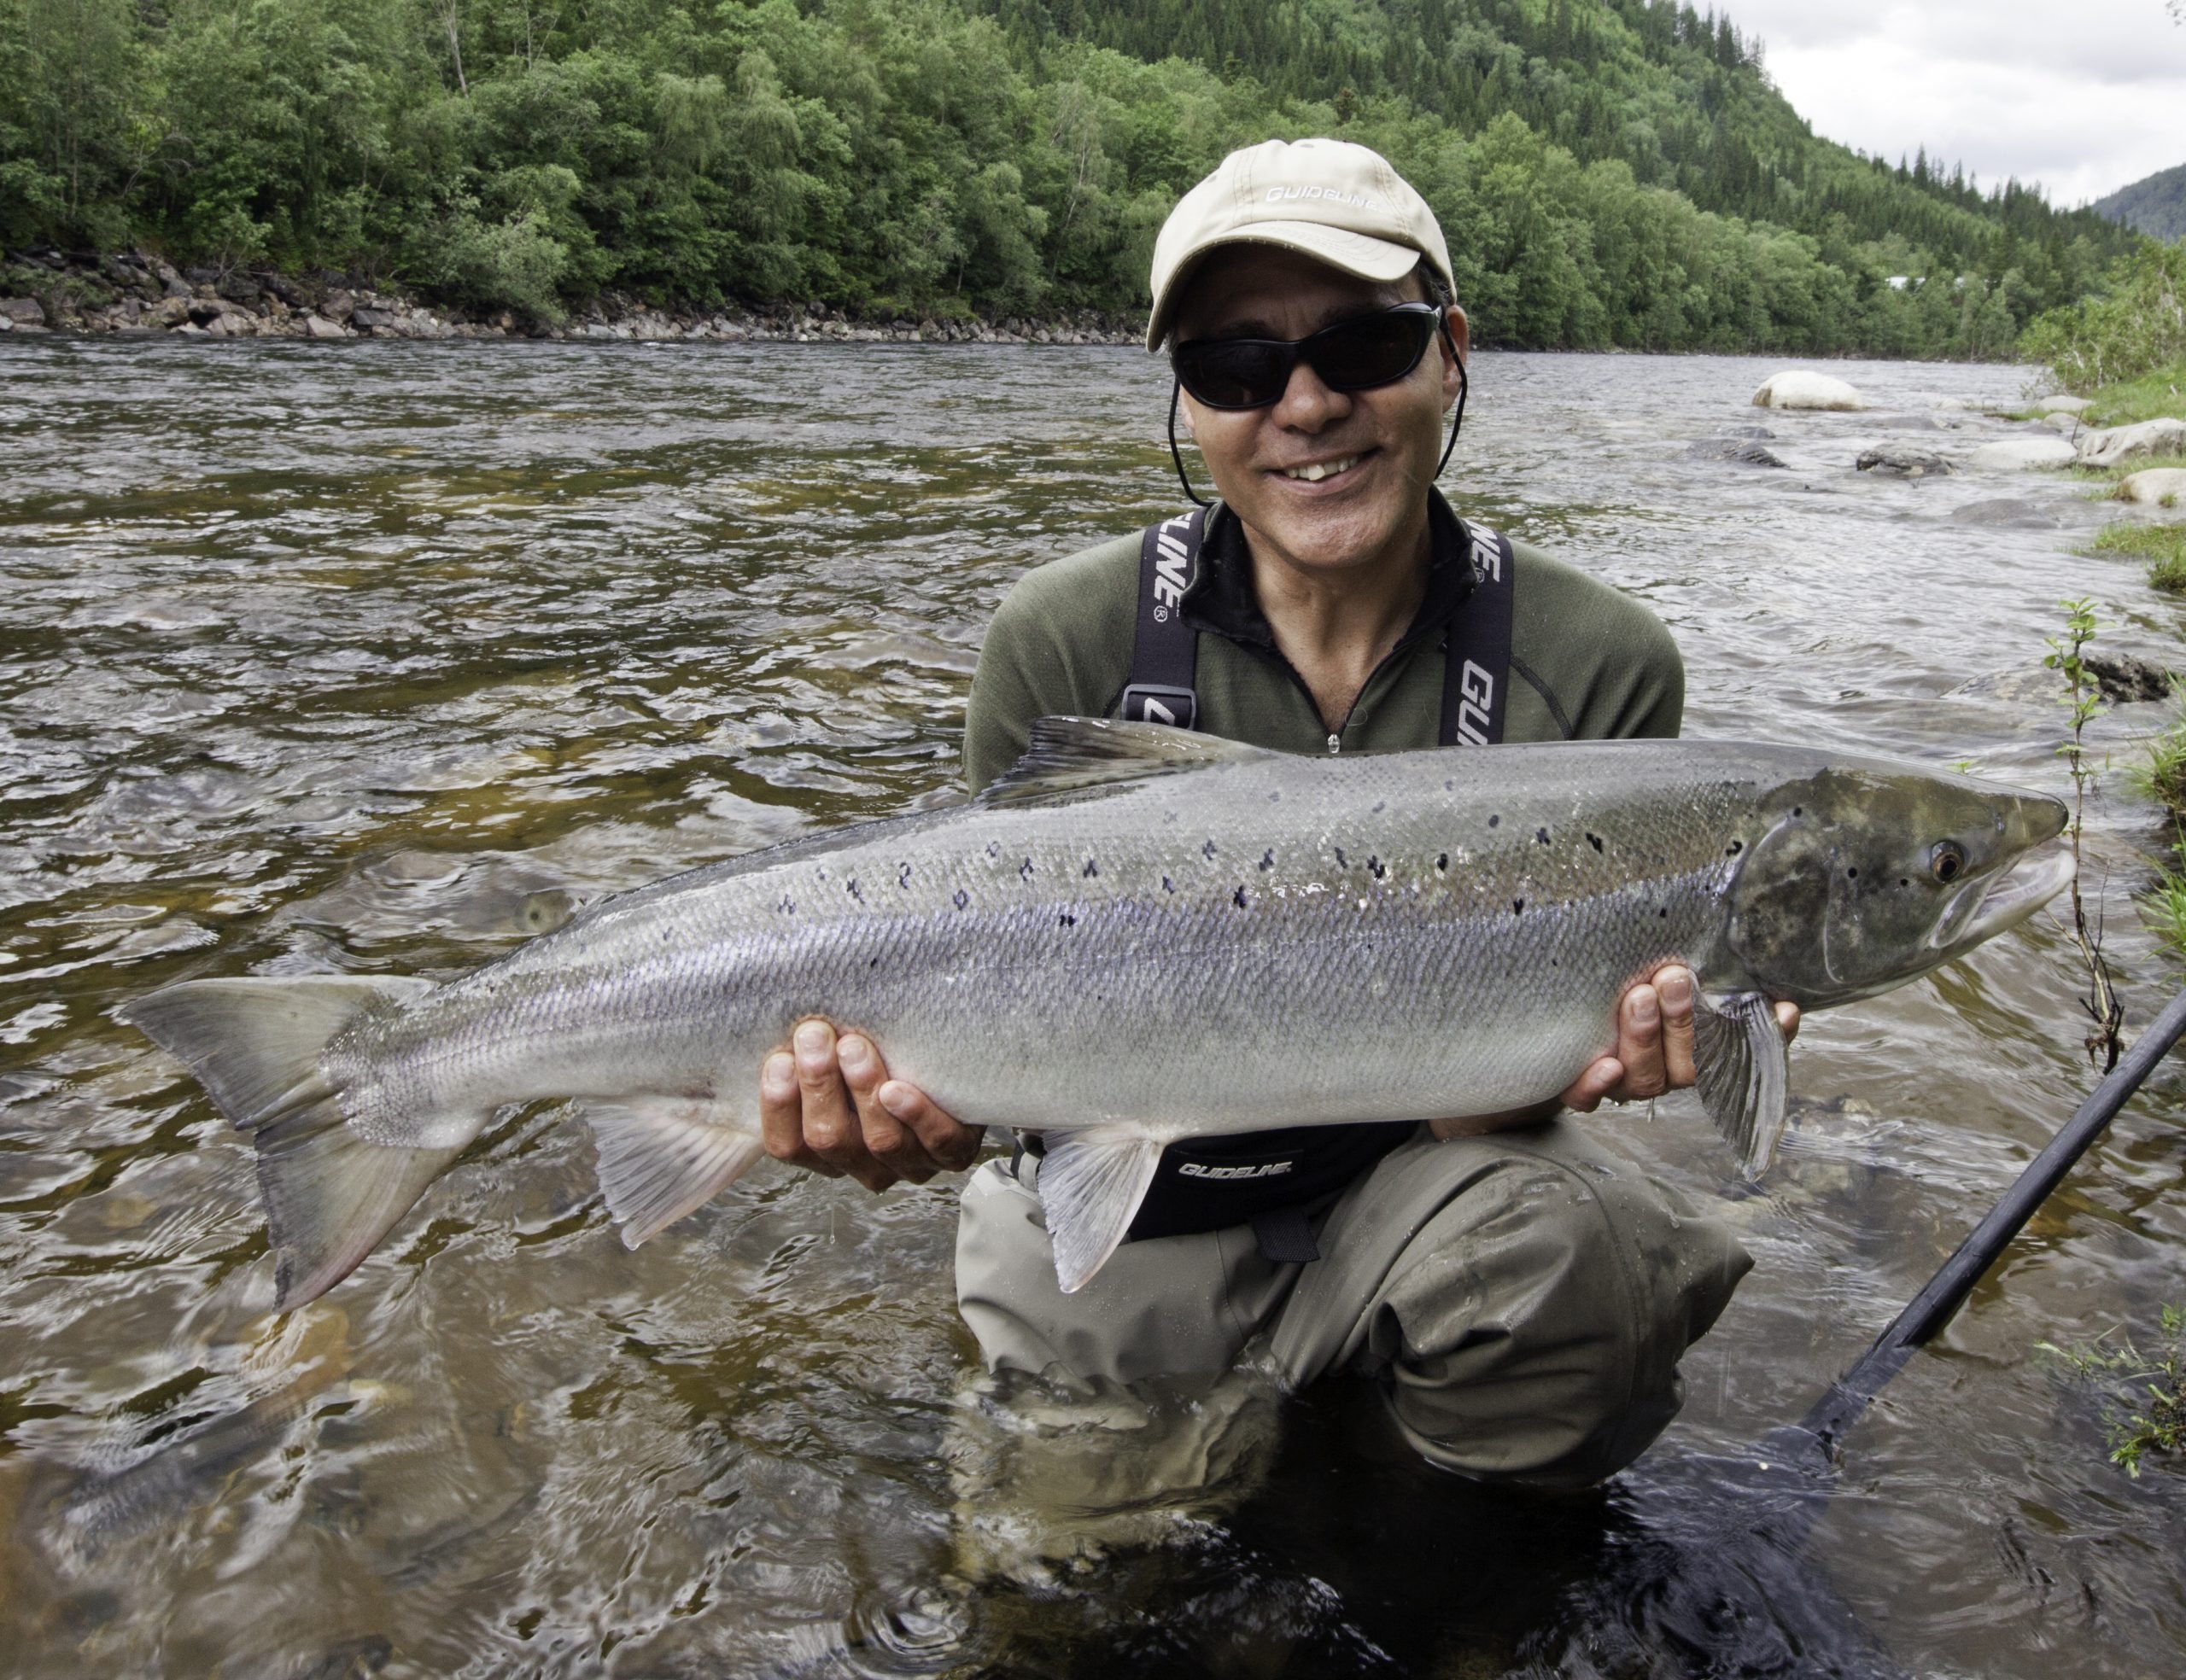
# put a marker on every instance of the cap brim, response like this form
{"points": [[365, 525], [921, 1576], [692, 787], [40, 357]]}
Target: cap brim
{"points": [[1380, 260]]}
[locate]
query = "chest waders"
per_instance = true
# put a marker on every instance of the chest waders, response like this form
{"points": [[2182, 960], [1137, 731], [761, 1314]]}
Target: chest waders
{"points": [[1277, 1181]]}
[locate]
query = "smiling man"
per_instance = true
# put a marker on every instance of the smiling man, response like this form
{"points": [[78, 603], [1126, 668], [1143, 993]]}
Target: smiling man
{"points": [[1523, 1296]]}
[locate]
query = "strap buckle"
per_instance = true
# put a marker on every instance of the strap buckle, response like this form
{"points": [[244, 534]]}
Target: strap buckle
{"points": [[1157, 703]]}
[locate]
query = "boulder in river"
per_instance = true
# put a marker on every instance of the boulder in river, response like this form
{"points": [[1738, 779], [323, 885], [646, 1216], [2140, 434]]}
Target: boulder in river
{"points": [[318, 326], [2124, 678], [2005, 510], [1899, 460], [23, 311], [2163, 436], [1800, 388], [2017, 454], [2057, 405], [2159, 487], [1744, 451]]}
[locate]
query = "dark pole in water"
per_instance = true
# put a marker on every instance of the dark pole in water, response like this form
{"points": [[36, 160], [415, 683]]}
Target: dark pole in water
{"points": [[1931, 1309]]}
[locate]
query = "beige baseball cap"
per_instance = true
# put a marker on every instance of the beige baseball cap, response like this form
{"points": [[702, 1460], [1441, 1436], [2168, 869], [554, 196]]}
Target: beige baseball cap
{"points": [[1332, 200]]}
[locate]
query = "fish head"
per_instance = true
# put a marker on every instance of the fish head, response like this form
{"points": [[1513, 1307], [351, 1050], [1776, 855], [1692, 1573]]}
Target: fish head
{"points": [[1867, 874]]}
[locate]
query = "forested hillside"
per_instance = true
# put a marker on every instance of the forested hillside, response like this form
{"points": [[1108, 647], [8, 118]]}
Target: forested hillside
{"points": [[1609, 171], [2155, 204]]}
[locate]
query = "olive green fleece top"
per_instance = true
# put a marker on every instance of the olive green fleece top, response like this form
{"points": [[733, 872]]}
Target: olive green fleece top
{"points": [[1589, 662]]}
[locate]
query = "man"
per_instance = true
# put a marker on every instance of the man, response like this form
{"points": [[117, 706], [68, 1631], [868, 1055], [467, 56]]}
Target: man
{"points": [[1524, 1297]]}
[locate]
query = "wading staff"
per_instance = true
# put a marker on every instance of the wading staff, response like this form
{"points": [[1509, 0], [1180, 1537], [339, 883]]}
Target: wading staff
{"points": [[1927, 1313]]}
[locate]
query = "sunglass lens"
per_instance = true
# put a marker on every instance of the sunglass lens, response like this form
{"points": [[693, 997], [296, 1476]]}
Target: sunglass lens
{"points": [[1237, 373], [1375, 350]]}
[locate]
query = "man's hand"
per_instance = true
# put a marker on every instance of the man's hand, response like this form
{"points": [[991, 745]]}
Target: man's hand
{"points": [[827, 1103], [1654, 1043]]}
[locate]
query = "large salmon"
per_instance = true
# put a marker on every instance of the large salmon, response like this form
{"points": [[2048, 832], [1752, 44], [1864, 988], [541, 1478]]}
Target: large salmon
{"points": [[1140, 935]]}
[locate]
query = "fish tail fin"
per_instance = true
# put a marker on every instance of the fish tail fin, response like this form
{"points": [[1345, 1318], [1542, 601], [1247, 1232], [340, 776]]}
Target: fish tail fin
{"points": [[1090, 1185], [255, 1044], [1743, 1074]]}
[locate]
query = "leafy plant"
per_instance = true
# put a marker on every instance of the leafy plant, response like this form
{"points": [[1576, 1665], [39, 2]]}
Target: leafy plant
{"points": [[2148, 1410], [2083, 696]]}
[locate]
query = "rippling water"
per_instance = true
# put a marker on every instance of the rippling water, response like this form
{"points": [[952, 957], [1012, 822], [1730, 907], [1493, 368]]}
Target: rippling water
{"points": [[380, 656]]}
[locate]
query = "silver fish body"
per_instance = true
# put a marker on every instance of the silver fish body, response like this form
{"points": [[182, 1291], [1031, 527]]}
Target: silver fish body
{"points": [[1141, 937]]}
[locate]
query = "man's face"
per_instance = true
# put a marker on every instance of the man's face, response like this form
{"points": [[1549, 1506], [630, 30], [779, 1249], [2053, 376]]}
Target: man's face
{"points": [[1386, 440]]}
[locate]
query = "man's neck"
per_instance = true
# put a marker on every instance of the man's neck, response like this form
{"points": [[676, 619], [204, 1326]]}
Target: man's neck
{"points": [[1335, 628]]}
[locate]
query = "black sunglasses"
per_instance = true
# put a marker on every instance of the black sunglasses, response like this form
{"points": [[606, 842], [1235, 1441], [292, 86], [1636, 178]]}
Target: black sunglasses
{"points": [[1353, 355]]}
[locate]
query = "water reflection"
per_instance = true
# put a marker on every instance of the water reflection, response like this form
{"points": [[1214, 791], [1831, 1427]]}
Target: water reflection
{"points": [[379, 657]]}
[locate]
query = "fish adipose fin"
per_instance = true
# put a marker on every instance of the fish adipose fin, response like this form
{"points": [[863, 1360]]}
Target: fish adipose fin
{"points": [[661, 1157], [255, 1044], [1091, 1183], [1739, 1055], [1070, 759]]}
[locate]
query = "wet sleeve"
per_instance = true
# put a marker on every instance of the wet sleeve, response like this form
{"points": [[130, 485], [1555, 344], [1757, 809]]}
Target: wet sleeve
{"points": [[1059, 646]]}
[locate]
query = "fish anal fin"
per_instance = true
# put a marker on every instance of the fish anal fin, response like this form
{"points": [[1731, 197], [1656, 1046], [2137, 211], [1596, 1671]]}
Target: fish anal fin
{"points": [[661, 1157], [1091, 1183], [1744, 1072], [1070, 759]]}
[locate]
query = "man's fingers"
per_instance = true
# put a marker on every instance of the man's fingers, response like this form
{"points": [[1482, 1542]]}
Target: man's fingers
{"points": [[1787, 1019], [950, 1145], [832, 1131], [890, 1142], [782, 1115], [1675, 988], [1584, 1095], [1640, 1042]]}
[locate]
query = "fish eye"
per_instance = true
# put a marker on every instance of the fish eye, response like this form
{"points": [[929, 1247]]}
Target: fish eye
{"points": [[1946, 861]]}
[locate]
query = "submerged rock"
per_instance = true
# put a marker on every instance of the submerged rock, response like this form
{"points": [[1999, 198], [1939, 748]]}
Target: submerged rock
{"points": [[1798, 388], [1742, 450], [2018, 453], [2163, 436], [1900, 461], [2031, 516]]}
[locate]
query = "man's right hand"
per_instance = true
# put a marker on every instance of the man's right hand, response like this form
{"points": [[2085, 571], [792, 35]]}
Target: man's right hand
{"points": [[827, 1103]]}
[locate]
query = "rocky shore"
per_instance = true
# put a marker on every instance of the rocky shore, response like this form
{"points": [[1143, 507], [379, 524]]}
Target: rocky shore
{"points": [[46, 291]]}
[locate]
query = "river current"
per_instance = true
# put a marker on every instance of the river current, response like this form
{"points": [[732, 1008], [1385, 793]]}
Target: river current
{"points": [[378, 657]]}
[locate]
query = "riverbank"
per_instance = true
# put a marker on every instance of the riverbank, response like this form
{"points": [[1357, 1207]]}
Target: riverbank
{"points": [[138, 293]]}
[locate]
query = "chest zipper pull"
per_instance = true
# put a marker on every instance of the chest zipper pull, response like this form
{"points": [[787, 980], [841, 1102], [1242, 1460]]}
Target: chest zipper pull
{"points": [[1336, 743]]}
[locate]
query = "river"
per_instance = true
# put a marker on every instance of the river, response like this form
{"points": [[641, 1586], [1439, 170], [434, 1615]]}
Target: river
{"points": [[379, 656]]}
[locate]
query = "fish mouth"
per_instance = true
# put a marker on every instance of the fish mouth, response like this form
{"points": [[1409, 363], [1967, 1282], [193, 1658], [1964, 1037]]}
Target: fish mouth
{"points": [[2009, 898]]}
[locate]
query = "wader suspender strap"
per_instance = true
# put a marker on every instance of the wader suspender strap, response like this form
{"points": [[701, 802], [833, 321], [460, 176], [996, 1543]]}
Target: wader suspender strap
{"points": [[1165, 653], [1476, 658], [1164, 656]]}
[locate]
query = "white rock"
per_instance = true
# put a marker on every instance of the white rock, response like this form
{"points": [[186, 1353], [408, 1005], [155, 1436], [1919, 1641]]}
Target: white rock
{"points": [[318, 326], [2057, 405], [2062, 421], [2017, 454], [2164, 436], [1799, 387], [2154, 484]]}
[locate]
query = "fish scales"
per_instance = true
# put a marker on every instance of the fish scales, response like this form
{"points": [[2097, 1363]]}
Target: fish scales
{"points": [[1143, 936]]}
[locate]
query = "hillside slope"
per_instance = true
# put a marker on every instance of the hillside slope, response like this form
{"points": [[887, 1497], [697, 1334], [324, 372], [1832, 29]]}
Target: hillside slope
{"points": [[2155, 204]]}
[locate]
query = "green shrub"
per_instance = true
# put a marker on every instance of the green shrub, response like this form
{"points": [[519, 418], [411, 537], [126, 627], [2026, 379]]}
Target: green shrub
{"points": [[2137, 326]]}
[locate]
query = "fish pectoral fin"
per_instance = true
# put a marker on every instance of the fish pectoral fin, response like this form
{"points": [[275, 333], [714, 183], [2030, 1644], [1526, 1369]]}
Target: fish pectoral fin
{"points": [[661, 1157], [1070, 759], [1091, 1183], [1745, 1074]]}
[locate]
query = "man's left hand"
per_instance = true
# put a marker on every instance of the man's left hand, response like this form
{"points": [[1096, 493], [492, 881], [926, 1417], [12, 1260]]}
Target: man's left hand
{"points": [[1654, 1043]]}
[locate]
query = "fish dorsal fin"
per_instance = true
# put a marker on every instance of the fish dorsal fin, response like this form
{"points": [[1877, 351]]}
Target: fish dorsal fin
{"points": [[1074, 758], [1091, 1183], [1739, 1056]]}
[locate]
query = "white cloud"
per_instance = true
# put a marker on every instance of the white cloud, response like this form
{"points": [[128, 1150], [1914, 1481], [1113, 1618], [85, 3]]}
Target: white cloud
{"points": [[2082, 99]]}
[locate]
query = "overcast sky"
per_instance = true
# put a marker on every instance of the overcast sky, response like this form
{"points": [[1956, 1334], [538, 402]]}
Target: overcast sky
{"points": [[2082, 97]]}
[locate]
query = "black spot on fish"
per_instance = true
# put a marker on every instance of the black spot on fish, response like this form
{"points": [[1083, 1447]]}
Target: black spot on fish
{"points": [[1541, 835], [1734, 848], [1237, 898], [1494, 821], [1904, 883], [1267, 859], [1379, 806], [1662, 914], [1517, 907], [1449, 787], [1380, 869], [1798, 810], [903, 875], [1025, 870], [1851, 874], [1595, 841], [1092, 867], [1443, 861], [1066, 920], [788, 906], [962, 898], [1274, 798], [853, 891], [1168, 885], [1208, 851], [1342, 861]]}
